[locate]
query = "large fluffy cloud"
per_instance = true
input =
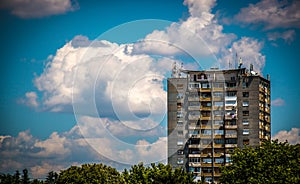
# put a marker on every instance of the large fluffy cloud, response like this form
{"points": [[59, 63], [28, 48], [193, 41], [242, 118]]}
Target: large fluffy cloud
{"points": [[38, 8], [292, 136], [271, 14]]}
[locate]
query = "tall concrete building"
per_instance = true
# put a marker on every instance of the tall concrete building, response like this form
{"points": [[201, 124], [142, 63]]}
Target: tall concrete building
{"points": [[212, 112]]}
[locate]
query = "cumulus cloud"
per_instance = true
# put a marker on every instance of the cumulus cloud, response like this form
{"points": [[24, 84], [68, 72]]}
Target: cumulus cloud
{"points": [[292, 136], [271, 14], [30, 99], [288, 36], [278, 102], [60, 150], [38, 8], [248, 49]]}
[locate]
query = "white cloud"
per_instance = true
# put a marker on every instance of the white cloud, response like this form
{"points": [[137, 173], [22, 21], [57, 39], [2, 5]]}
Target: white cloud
{"points": [[292, 136], [30, 99], [39, 8], [271, 14], [278, 102], [288, 36], [59, 151], [248, 49]]}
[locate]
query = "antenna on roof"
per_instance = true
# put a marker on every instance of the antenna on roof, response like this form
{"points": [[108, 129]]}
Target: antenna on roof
{"points": [[240, 62]]}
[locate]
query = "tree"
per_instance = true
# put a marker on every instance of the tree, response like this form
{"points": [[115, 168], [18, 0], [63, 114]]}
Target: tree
{"points": [[89, 174], [25, 177], [52, 177], [16, 177], [273, 162], [160, 174]]}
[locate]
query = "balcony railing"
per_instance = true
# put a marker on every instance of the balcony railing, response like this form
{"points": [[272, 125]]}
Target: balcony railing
{"points": [[205, 98], [231, 136], [193, 98], [193, 108], [194, 164], [230, 145], [231, 126], [205, 89], [194, 155]]}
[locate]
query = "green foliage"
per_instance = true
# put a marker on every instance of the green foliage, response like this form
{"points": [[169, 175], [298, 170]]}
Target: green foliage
{"points": [[89, 174], [273, 162], [160, 174], [102, 174]]}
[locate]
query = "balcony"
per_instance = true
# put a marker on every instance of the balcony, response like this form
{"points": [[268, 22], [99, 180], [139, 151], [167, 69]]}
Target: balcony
{"points": [[195, 136], [205, 108], [193, 117], [218, 145], [206, 164], [230, 98], [218, 98], [230, 145], [205, 89], [194, 145], [194, 164], [205, 145], [205, 117], [193, 127], [205, 99], [194, 155], [218, 154], [230, 117], [218, 89], [205, 136], [230, 135], [193, 98], [231, 126], [193, 108]]}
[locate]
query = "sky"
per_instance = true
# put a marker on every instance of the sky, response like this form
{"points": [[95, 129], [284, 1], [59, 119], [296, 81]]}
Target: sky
{"points": [[85, 81]]}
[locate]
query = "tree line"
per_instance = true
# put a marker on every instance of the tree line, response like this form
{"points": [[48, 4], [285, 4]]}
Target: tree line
{"points": [[272, 162]]}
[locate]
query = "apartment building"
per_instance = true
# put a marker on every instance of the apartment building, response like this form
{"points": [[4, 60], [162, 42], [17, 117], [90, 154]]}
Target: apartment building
{"points": [[212, 112]]}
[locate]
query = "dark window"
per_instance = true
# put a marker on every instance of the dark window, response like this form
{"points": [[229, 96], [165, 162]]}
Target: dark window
{"points": [[245, 113], [245, 94]]}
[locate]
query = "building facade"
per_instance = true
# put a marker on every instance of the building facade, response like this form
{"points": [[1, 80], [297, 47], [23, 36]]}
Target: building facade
{"points": [[212, 112]]}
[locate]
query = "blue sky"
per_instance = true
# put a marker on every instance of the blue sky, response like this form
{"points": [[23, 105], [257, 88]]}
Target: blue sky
{"points": [[41, 49]]}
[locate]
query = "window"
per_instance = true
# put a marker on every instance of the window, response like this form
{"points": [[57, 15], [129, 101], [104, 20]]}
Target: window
{"points": [[179, 96], [218, 123], [230, 103], [231, 141], [180, 132], [205, 132], [179, 123], [245, 113], [205, 85], [219, 141], [179, 114], [194, 159], [246, 132], [194, 132], [245, 103], [219, 132], [179, 143], [219, 160], [231, 132], [179, 160], [245, 94], [245, 122], [230, 93], [245, 84], [218, 104], [207, 160], [218, 94], [180, 152], [218, 85], [246, 141], [232, 78], [230, 85]]}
